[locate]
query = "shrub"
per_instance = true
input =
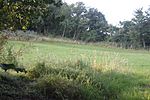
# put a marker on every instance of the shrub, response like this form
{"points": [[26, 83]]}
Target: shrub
{"points": [[59, 88], [3, 41], [68, 77], [8, 55]]}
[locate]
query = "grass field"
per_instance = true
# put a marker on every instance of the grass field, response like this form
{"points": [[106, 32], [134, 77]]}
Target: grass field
{"points": [[124, 74], [138, 58]]}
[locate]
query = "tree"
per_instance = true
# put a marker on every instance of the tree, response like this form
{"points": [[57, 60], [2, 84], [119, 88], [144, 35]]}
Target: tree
{"points": [[97, 24], [78, 12], [134, 33], [142, 26], [66, 23], [19, 14], [48, 21], [16, 14]]}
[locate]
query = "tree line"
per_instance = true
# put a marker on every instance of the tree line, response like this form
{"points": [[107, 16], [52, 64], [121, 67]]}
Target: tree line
{"points": [[134, 33], [74, 21]]}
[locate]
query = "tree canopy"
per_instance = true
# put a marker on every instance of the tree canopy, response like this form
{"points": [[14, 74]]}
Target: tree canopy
{"points": [[136, 32], [17, 14], [74, 21]]}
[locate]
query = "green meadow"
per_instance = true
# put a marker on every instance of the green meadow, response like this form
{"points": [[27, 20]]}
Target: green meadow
{"points": [[85, 71], [137, 59]]}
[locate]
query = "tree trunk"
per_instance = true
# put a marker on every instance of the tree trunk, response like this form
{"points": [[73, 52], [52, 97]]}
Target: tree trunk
{"points": [[45, 31], [143, 41], [64, 32], [74, 36], [77, 37]]}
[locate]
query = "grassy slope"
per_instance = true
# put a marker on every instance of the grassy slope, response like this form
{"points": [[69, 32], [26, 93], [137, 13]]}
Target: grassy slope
{"points": [[138, 59], [136, 85]]}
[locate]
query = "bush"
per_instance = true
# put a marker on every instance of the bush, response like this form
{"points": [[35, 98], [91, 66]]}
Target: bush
{"points": [[38, 71], [3, 41], [8, 54], [59, 88], [65, 78]]}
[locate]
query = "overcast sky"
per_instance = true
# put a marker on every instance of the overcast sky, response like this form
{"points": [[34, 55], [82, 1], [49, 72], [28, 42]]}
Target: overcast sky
{"points": [[115, 10]]}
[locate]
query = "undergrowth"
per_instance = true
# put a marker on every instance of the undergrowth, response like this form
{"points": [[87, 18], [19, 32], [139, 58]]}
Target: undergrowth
{"points": [[81, 79]]}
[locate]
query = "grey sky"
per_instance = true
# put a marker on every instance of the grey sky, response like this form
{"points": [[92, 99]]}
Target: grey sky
{"points": [[115, 10]]}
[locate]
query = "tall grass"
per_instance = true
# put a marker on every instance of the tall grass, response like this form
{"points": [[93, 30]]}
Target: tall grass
{"points": [[109, 62], [93, 80], [100, 76], [108, 78]]}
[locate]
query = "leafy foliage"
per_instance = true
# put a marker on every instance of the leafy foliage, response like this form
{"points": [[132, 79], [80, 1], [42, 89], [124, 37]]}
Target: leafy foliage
{"points": [[17, 14], [134, 33], [75, 21]]}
